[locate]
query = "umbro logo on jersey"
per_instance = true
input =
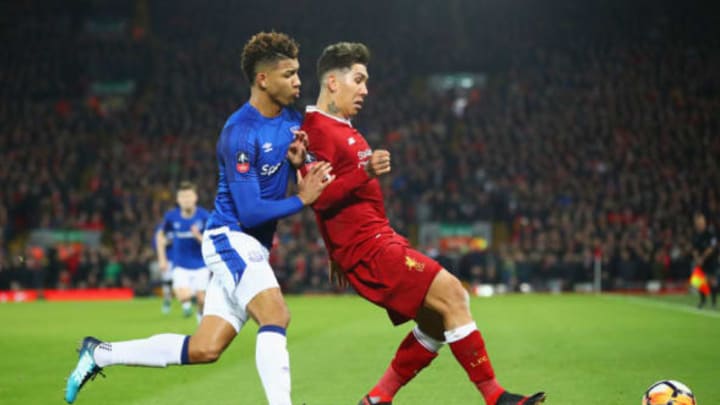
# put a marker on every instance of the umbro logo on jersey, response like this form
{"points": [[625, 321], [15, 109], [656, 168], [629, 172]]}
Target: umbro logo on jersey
{"points": [[267, 147], [351, 141], [242, 162]]}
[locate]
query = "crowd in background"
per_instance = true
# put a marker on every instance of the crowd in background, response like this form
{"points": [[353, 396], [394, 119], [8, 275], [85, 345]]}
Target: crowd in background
{"points": [[596, 135]]}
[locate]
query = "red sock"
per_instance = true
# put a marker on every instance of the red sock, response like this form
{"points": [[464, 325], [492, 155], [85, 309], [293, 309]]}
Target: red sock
{"points": [[410, 358], [471, 354]]}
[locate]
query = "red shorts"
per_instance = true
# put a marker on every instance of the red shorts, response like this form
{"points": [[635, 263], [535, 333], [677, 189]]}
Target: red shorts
{"points": [[397, 278]]}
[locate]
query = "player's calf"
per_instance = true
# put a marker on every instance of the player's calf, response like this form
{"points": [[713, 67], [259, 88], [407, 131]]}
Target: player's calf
{"points": [[210, 340]]}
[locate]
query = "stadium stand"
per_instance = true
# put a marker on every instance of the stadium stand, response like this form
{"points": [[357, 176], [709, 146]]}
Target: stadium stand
{"points": [[582, 143]]}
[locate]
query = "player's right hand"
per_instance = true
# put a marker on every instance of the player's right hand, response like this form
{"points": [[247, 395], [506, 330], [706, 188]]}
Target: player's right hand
{"points": [[336, 275], [297, 151], [379, 163], [163, 265], [312, 185]]}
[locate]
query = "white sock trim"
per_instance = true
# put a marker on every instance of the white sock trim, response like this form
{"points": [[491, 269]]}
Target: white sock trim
{"points": [[459, 333], [427, 341]]}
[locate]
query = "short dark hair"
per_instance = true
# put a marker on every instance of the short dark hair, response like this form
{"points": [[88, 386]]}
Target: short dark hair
{"points": [[187, 185], [266, 47], [342, 55]]}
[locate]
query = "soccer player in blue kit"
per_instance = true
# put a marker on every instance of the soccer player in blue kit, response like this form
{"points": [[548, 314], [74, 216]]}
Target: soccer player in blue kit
{"points": [[258, 151], [185, 223]]}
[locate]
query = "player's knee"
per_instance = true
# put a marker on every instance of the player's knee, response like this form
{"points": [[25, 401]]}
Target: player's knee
{"points": [[269, 308], [430, 322], [205, 354], [434, 329], [450, 297], [458, 298], [454, 297], [277, 315]]}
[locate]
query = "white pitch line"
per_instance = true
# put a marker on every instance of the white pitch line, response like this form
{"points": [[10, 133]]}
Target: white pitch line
{"points": [[649, 302]]}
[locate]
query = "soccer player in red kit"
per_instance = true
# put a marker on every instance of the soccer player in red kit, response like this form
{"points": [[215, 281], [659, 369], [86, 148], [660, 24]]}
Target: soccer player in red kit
{"points": [[366, 252]]}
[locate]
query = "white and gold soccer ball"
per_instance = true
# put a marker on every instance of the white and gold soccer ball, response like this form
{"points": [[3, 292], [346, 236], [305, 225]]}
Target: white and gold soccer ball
{"points": [[668, 392]]}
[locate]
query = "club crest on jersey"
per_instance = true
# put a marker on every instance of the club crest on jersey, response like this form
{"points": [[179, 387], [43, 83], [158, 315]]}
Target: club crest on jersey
{"points": [[242, 164], [413, 264]]}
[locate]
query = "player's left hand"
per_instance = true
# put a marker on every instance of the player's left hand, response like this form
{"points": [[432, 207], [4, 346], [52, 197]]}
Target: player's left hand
{"points": [[298, 149], [379, 163]]}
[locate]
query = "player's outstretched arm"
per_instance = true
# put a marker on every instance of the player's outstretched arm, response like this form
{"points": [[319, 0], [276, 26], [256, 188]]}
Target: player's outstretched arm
{"points": [[252, 210], [238, 146], [161, 244]]}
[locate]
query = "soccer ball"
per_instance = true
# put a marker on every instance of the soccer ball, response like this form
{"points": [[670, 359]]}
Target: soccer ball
{"points": [[668, 392]]}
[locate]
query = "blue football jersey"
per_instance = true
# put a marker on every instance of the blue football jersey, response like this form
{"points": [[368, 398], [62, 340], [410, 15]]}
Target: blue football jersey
{"points": [[186, 250], [254, 172]]}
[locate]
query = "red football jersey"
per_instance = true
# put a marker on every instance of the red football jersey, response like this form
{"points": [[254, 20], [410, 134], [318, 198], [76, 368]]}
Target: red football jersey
{"points": [[350, 212]]}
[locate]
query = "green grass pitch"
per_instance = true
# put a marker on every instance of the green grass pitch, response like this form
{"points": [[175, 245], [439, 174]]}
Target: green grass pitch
{"points": [[581, 349]]}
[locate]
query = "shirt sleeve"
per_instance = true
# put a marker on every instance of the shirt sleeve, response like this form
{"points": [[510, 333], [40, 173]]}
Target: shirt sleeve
{"points": [[240, 157], [344, 184], [204, 219], [166, 224]]}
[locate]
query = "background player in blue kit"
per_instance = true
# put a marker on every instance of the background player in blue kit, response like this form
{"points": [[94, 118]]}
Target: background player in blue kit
{"points": [[258, 152], [189, 274]]}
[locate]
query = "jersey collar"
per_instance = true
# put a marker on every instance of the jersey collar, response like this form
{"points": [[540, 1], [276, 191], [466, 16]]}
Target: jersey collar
{"points": [[314, 109]]}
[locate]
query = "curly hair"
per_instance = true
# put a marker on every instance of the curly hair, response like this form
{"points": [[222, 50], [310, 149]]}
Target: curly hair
{"points": [[342, 55], [266, 47]]}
